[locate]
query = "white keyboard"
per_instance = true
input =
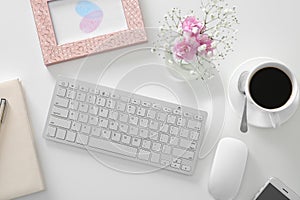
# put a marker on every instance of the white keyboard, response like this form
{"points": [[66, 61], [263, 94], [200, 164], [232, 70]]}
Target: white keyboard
{"points": [[126, 125]]}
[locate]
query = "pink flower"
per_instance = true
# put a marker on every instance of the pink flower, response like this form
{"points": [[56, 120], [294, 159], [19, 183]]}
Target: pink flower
{"points": [[185, 49], [204, 39], [192, 26]]}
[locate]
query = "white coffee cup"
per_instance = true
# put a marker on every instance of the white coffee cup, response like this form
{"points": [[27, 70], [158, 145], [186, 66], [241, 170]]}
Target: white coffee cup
{"points": [[274, 114]]}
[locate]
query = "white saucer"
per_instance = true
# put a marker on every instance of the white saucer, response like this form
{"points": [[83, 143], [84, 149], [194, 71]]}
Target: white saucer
{"points": [[256, 117]]}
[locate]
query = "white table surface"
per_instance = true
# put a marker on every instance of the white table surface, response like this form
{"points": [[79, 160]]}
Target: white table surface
{"points": [[267, 28]]}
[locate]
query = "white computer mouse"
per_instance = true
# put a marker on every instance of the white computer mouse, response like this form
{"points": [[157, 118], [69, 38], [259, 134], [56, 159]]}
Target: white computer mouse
{"points": [[228, 169]]}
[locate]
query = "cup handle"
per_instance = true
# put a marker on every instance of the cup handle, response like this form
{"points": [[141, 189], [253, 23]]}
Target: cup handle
{"points": [[275, 119]]}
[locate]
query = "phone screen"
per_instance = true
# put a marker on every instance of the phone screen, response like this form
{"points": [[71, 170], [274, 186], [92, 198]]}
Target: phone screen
{"points": [[271, 193]]}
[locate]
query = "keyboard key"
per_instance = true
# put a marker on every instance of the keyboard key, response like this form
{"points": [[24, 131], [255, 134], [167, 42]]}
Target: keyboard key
{"points": [[153, 125], [177, 111], [198, 117], [63, 83], [144, 155], [125, 99], [153, 135], [61, 134], [51, 131], [151, 114], [113, 147], [73, 115], [175, 165], [73, 105], [164, 128], [121, 106], [183, 153], [86, 129], [174, 130], [106, 134], [174, 141], [103, 123], [161, 116], [110, 104], [59, 122], [141, 111], [73, 86], [146, 104], [143, 122], [131, 109], [156, 147], [194, 135], [155, 157], [82, 139], [167, 109], [126, 139], [133, 120], [181, 121], [61, 92], [94, 91], [71, 94], [96, 131], [71, 136], [83, 107], [83, 118], [100, 101], [146, 144], [104, 93], [115, 96], [166, 149], [103, 112], [135, 101], [93, 120], [186, 168], [185, 143], [91, 99], [156, 106], [76, 126], [133, 130], [60, 112], [136, 142], [116, 137], [123, 117], [113, 115], [61, 102], [93, 110], [113, 125], [123, 128], [171, 119], [184, 133], [164, 138], [83, 88], [80, 96], [144, 133], [194, 125], [165, 162]]}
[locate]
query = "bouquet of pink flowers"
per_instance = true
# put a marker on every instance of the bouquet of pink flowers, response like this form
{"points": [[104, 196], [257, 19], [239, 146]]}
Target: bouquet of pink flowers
{"points": [[198, 43]]}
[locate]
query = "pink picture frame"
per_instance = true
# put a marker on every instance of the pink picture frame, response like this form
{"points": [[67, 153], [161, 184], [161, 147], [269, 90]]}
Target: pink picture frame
{"points": [[54, 53]]}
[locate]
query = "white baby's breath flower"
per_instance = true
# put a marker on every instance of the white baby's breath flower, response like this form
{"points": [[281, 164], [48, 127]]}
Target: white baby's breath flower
{"points": [[202, 48]]}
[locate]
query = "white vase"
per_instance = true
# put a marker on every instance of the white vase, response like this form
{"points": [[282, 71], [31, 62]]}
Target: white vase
{"points": [[189, 71]]}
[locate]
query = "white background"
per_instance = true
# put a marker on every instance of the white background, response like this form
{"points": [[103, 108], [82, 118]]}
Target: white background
{"points": [[268, 28], [66, 21]]}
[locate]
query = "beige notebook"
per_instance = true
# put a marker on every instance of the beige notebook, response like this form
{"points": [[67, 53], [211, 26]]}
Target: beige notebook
{"points": [[19, 168]]}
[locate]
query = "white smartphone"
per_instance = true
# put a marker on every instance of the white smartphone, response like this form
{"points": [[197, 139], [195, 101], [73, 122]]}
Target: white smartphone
{"points": [[274, 189]]}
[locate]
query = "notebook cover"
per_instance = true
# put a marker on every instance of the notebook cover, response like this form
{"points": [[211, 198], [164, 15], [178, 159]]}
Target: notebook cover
{"points": [[19, 168]]}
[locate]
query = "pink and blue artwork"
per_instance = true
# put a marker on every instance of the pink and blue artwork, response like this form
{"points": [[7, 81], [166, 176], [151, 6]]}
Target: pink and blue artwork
{"points": [[92, 16]]}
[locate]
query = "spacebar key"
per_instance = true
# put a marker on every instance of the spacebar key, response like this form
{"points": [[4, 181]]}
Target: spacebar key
{"points": [[112, 147]]}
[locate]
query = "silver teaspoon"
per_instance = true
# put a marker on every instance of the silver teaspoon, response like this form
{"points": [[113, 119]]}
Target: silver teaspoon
{"points": [[241, 87]]}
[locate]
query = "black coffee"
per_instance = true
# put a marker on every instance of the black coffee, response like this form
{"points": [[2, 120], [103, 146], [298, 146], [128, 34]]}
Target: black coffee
{"points": [[270, 87]]}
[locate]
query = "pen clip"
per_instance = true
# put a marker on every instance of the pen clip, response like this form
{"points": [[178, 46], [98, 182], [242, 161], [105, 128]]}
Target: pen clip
{"points": [[2, 109]]}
